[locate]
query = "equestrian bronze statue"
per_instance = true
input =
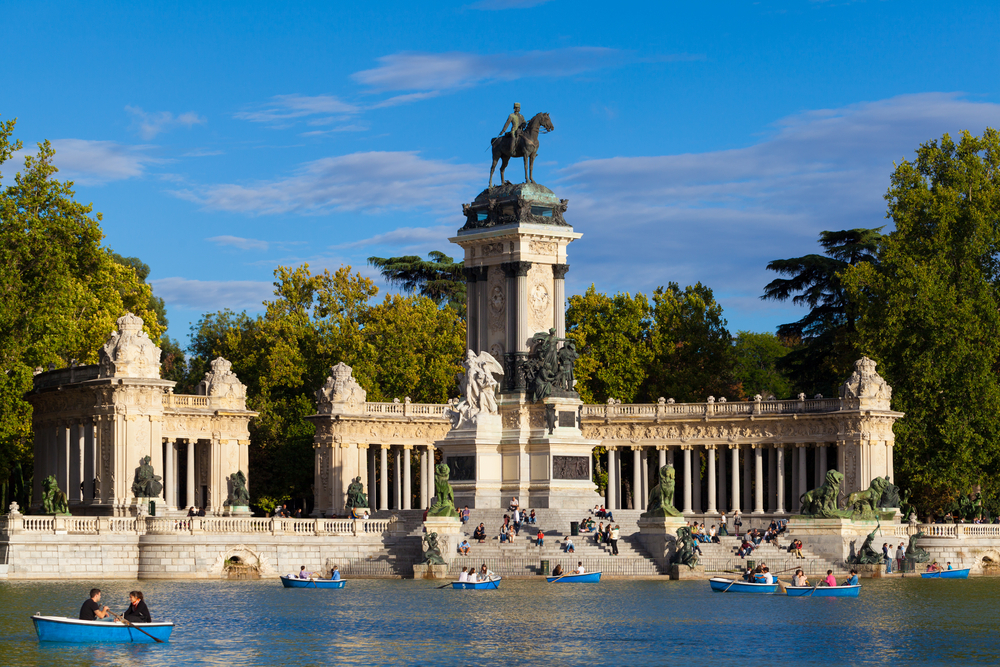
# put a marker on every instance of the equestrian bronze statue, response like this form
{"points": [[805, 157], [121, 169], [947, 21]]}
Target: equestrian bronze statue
{"points": [[521, 141]]}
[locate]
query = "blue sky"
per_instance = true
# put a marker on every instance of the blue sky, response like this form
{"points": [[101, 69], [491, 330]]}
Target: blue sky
{"points": [[695, 141]]}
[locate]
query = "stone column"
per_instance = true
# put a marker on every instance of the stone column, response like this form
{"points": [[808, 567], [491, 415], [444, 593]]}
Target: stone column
{"points": [[471, 309], [735, 449], [559, 298], [723, 500], [424, 498], [523, 330], [64, 444], [637, 478], [644, 494], [397, 469], [168, 476], [89, 462], [192, 445], [802, 477], [74, 493], [383, 486], [687, 481], [662, 459], [758, 496], [611, 479], [710, 450], [779, 452], [407, 449], [696, 479], [772, 487]]}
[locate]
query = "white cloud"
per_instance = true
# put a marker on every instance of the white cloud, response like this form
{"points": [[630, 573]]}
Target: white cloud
{"points": [[408, 237], [719, 217], [283, 108], [148, 124], [212, 294], [239, 242], [98, 162], [370, 182], [437, 71]]}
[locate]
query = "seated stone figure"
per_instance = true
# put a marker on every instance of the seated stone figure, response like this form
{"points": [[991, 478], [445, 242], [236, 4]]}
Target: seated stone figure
{"points": [[356, 495], [661, 496], [432, 555], [146, 484]]}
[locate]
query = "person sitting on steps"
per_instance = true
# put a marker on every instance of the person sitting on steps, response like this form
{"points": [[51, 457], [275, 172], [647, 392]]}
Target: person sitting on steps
{"points": [[479, 533]]}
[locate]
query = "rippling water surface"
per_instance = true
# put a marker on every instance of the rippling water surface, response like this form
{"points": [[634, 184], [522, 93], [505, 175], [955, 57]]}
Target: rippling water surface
{"points": [[908, 621]]}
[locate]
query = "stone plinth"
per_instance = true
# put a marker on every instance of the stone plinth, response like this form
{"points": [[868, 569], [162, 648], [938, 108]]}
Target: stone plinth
{"points": [[682, 572], [237, 510], [473, 455], [833, 539], [430, 571], [448, 530], [659, 537]]}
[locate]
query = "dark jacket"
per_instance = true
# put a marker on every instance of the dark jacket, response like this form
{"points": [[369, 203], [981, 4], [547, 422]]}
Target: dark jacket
{"points": [[138, 613]]}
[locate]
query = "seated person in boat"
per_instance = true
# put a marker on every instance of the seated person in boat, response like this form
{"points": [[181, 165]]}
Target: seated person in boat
{"points": [[853, 579], [303, 574], [799, 579], [335, 573], [767, 577], [830, 579], [463, 577], [557, 571], [579, 568], [92, 609], [463, 548], [137, 611], [748, 573], [934, 567], [485, 574], [479, 533], [948, 565]]}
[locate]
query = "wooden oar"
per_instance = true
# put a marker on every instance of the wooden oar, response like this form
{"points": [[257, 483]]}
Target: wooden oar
{"points": [[812, 591], [495, 584], [730, 585], [437, 588], [558, 578], [132, 625]]}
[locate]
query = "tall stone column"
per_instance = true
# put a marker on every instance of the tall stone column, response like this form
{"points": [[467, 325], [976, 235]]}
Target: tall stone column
{"points": [[779, 452], [696, 479], [424, 498], [735, 449], [397, 468], [612, 479], [383, 486], [169, 481], [772, 487], [661, 459], [74, 493], [710, 451], [644, 493], [758, 466], [723, 500], [523, 330], [89, 461], [192, 445], [687, 482], [471, 309], [803, 476], [559, 298], [407, 449], [65, 437], [637, 478]]}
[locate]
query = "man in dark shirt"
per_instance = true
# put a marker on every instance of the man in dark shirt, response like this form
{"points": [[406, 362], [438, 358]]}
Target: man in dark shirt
{"points": [[91, 609]]}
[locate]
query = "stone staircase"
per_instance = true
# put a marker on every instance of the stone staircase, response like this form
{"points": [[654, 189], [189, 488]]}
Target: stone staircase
{"points": [[722, 558]]}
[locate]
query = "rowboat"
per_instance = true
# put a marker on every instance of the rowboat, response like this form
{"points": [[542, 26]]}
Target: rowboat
{"points": [[62, 629], [295, 582], [722, 585], [947, 574], [585, 578], [824, 591], [491, 584]]}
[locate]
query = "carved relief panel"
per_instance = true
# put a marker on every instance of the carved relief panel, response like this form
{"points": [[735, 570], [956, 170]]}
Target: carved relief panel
{"points": [[539, 310]]}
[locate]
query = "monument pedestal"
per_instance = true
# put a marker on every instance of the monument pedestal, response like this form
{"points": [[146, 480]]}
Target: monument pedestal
{"points": [[834, 539], [237, 510], [421, 571], [448, 531], [473, 455], [658, 535]]}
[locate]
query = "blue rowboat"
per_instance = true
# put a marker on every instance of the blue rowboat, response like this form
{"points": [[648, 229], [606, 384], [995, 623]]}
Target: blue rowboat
{"points": [[295, 582], [823, 591], [721, 585], [62, 629], [490, 585], [585, 578], [947, 574]]}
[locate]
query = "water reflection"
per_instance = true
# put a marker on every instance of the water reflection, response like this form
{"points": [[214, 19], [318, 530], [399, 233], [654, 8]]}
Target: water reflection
{"points": [[525, 622]]}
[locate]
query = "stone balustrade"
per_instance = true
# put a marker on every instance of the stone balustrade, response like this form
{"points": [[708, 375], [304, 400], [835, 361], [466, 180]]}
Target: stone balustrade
{"points": [[56, 525], [667, 410]]}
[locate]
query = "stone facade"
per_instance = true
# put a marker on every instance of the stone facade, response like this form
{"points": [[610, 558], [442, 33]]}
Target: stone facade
{"points": [[93, 425]]}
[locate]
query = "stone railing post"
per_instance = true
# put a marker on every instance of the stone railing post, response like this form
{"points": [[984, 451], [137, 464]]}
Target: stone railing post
{"points": [[317, 527], [13, 524], [710, 406], [277, 527], [103, 525], [60, 525], [661, 409], [959, 531], [354, 527], [406, 406], [196, 525]]}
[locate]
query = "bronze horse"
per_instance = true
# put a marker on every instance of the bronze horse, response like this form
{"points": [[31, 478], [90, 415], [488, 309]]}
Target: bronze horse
{"points": [[527, 147]]}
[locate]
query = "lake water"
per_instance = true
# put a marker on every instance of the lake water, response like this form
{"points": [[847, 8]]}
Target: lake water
{"points": [[621, 622]]}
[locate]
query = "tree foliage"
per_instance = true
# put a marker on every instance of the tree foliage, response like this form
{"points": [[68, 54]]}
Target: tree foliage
{"points": [[756, 357], [62, 291], [440, 278], [823, 341], [929, 313], [402, 346]]}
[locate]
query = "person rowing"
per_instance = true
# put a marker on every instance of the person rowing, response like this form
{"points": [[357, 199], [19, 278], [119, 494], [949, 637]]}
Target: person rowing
{"points": [[137, 611], [91, 610]]}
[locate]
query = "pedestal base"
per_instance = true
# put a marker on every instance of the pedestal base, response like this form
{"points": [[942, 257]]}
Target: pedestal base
{"points": [[430, 572], [237, 510], [659, 537], [681, 572], [448, 530], [834, 539]]}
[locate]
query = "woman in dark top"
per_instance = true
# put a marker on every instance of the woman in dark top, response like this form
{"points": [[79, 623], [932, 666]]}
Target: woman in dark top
{"points": [[137, 612]]}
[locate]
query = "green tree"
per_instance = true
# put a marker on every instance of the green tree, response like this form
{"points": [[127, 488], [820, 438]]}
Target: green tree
{"points": [[613, 334], [439, 279], [824, 340], [756, 370], [929, 313], [62, 292], [692, 348]]}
